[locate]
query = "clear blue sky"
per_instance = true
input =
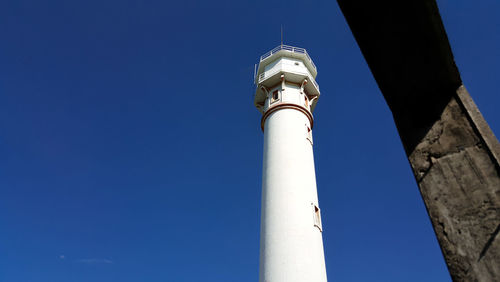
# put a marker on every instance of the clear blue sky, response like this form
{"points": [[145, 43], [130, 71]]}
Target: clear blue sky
{"points": [[130, 149]]}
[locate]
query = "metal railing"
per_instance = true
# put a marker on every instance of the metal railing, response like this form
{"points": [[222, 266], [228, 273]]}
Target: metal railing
{"points": [[290, 49], [262, 76]]}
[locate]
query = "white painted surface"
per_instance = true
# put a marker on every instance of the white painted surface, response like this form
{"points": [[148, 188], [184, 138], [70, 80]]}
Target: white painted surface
{"points": [[291, 248], [289, 65], [295, 64], [290, 95]]}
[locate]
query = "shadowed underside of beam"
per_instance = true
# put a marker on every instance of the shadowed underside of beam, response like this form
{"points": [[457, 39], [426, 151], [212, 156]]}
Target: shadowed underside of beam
{"points": [[452, 151]]}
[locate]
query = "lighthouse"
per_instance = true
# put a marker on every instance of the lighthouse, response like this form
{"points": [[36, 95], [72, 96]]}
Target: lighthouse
{"points": [[291, 244]]}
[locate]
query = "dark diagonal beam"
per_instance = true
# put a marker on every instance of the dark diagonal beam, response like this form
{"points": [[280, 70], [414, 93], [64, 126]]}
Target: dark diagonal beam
{"points": [[451, 149]]}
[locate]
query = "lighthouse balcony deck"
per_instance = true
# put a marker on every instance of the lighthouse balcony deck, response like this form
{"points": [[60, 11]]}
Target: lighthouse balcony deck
{"points": [[273, 75]]}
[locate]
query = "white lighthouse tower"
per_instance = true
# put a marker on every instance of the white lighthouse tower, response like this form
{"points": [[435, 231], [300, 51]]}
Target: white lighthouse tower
{"points": [[291, 244]]}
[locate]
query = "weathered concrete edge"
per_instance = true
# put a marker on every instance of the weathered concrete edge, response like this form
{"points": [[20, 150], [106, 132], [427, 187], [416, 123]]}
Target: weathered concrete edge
{"points": [[480, 124]]}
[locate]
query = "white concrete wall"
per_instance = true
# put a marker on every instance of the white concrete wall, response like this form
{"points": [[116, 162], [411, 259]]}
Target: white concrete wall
{"points": [[291, 247], [294, 65], [271, 66], [287, 65], [291, 95]]}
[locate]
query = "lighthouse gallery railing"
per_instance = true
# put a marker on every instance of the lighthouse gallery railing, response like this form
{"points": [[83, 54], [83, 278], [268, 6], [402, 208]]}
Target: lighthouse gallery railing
{"points": [[288, 48]]}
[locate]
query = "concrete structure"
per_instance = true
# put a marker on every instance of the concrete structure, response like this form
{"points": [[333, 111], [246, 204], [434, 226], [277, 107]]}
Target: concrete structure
{"points": [[291, 244], [453, 153]]}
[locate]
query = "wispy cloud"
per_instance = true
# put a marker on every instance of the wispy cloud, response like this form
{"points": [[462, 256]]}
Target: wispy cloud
{"points": [[94, 261]]}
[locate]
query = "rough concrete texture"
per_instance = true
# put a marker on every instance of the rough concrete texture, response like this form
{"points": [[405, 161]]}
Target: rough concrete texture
{"points": [[453, 153], [459, 180]]}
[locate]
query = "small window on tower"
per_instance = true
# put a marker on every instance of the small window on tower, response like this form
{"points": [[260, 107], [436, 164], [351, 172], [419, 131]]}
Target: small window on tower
{"points": [[309, 135], [317, 217], [306, 101], [275, 96]]}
